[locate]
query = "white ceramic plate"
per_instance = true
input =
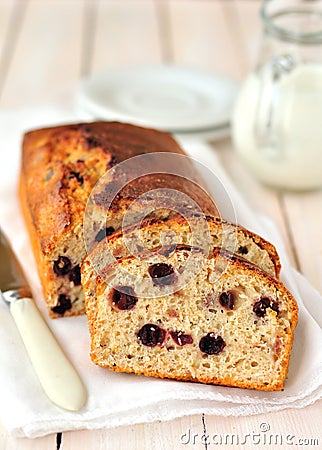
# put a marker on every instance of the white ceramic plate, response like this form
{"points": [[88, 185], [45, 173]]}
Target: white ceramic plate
{"points": [[167, 97]]}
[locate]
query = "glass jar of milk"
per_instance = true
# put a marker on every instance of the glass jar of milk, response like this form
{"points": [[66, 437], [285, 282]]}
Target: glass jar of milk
{"points": [[277, 122]]}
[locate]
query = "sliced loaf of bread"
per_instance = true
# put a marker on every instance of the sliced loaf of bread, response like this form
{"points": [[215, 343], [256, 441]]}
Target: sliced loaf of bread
{"points": [[180, 314], [204, 232]]}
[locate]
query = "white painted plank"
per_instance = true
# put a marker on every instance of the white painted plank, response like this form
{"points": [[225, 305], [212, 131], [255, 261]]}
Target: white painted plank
{"points": [[48, 52], [11, 16], [11, 443], [202, 36], [288, 427], [304, 213], [250, 26], [127, 34], [170, 435], [233, 25], [6, 10]]}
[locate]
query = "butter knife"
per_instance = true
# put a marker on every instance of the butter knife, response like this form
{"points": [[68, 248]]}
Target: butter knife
{"points": [[56, 374]]}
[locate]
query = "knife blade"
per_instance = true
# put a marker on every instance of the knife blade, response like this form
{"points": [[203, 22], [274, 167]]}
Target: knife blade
{"points": [[57, 376]]}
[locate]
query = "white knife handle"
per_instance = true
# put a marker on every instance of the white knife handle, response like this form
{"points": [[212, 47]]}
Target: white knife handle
{"points": [[56, 374]]}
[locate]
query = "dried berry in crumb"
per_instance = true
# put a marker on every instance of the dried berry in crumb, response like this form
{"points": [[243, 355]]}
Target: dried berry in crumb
{"points": [[123, 297], [227, 299], [162, 274], [151, 335], [75, 275], [180, 338], [77, 175], [92, 142], [211, 344], [62, 265], [63, 305], [243, 250], [261, 306], [103, 233]]}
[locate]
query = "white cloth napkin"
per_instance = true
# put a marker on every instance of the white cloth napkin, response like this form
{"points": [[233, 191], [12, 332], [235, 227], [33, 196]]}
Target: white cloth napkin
{"points": [[121, 399]]}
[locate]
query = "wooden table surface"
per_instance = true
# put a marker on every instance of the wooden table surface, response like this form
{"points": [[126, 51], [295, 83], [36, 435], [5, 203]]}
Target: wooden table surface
{"points": [[48, 45]]}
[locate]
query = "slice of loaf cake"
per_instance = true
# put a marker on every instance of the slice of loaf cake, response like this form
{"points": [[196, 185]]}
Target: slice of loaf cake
{"points": [[178, 314], [206, 233], [60, 167]]}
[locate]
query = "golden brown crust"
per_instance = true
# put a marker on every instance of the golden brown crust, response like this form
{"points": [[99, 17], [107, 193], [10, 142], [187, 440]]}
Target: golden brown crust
{"points": [[61, 165], [34, 240], [278, 385]]}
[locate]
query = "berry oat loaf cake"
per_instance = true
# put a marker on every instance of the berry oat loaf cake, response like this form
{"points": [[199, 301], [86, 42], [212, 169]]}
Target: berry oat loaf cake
{"points": [[60, 167], [178, 314]]}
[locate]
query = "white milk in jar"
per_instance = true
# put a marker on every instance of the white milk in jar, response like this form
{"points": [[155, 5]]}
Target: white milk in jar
{"points": [[292, 158], [277, 122]]}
